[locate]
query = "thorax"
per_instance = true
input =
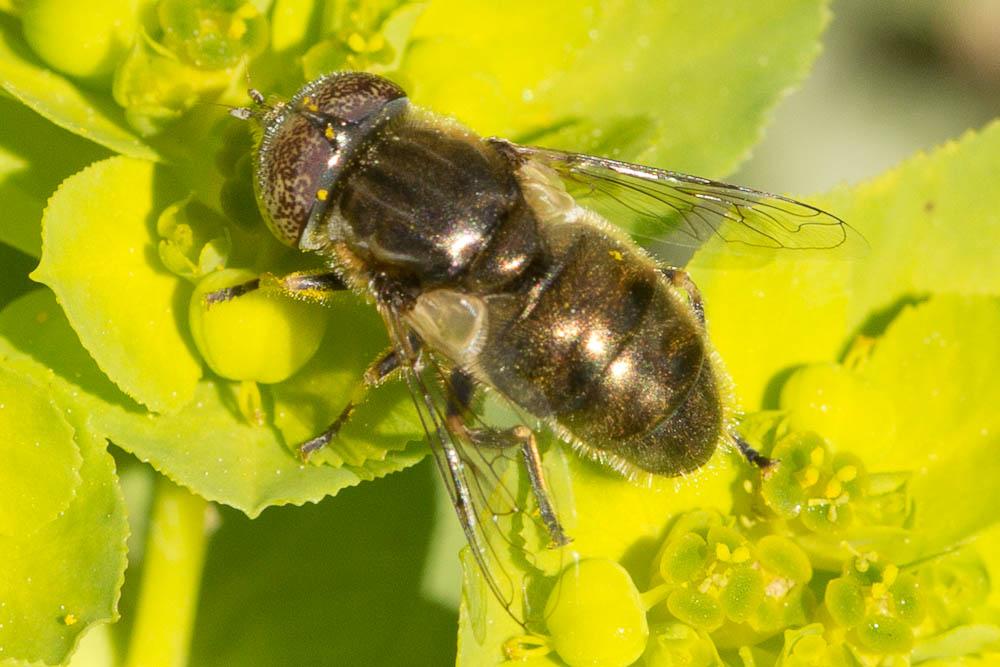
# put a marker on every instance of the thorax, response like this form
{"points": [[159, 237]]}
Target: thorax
{"points": [[424, 199]]}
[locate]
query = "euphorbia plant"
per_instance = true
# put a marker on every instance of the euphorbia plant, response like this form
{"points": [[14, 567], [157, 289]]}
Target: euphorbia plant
{"points": [[872, 380]]}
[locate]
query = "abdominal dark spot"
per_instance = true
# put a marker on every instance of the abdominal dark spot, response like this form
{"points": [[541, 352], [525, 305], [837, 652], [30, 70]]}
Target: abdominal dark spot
{"points": [[682, 358], [638, 294], [579, 380]]}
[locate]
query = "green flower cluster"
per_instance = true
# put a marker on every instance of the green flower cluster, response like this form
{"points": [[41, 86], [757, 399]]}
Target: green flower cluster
{"points": [[713, 574], [810, 486], [815, 491], [935, 612], [161, 58], [765, 587], [875, 603]]}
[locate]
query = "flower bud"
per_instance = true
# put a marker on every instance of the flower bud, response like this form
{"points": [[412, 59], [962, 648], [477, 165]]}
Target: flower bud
{"points": [[257, 336], [596, 616], [85, 40]]}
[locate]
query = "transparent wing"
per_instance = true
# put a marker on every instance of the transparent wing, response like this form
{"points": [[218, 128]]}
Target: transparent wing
{"points": [[677, 209], [493, 501]]}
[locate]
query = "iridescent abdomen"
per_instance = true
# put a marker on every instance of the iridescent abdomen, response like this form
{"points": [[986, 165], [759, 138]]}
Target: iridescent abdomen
{"points": [[602, 346]]}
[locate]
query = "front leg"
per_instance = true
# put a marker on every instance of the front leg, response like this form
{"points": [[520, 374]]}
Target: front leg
{"points": [[316, 286]]}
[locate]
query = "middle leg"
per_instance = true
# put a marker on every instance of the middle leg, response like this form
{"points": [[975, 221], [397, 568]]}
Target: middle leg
{"points": [[378, 371]]}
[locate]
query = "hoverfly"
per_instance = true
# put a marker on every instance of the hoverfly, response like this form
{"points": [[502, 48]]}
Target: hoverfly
{"points": [[493, 270]]}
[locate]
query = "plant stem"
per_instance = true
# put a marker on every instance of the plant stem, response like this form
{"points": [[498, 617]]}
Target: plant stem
{"points": [[171, 577], [655, 596]]}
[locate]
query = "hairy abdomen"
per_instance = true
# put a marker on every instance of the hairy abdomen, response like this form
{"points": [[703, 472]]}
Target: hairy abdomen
{"points": [[599, 344]]}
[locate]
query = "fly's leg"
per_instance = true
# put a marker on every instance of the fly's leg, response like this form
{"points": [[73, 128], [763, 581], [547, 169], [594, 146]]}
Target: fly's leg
{"points": [[750, 454], [459, 400], [681, 279], [533, 462], [382, 368], [314, 286]]}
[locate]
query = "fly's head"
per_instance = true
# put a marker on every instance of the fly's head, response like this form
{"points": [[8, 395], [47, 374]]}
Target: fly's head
{"points": [[308, 145]]}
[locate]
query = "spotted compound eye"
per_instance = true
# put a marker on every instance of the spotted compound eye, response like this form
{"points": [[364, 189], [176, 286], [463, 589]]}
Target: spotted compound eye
{"points": [[308, 141]]}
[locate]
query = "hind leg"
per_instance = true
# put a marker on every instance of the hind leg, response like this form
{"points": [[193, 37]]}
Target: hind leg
{"points": [[681, 279], [750, 454], [460, 397]]}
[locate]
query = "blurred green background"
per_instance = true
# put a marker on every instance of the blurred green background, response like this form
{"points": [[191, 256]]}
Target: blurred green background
{"points": [[895, 77]]}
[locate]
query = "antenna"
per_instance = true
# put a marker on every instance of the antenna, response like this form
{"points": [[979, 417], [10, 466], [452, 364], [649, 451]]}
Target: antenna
{"points": [[257, 97]]}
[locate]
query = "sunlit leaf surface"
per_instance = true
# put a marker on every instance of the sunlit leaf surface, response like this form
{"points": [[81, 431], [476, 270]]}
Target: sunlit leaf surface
{"points": [[64, 103], [63, 575]]}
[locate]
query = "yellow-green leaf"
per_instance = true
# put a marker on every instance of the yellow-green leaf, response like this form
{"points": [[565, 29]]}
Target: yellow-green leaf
{"points": [[41, 462], [89, 115], [933, 227], [925, 403], [65, 577], [35, 156], [98, 256], [207, 446], [699, 78]]}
